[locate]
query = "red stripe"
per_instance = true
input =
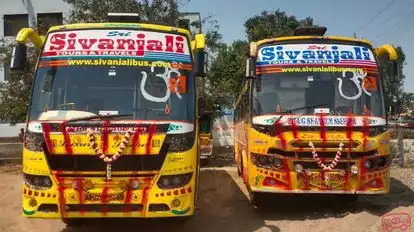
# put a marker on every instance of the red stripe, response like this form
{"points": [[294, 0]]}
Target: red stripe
{"points": [[365, 130], [104, 199], [81, 194], [61, 198], [104, 139], [279, 133], [149, 140], [46, 135], [68, 145], [144, 201], [287, 171], [135, 140], [128, 198], [295, 131], [322, 133], [349, 131]]}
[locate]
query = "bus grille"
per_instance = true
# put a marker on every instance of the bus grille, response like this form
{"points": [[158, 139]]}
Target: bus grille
{"points": [[321, 154], [92, 163], [103, 207], [314, 165]]}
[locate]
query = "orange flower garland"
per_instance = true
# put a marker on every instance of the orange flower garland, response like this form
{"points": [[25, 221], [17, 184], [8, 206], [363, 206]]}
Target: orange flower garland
{"points": [[333, 163]]}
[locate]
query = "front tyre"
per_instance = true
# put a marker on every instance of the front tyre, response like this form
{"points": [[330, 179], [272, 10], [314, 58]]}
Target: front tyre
{"points": [[74, 222], [257, 199]]}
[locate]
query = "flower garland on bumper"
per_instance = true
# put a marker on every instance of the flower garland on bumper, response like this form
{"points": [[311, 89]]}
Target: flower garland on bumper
{"points": [[108, 159], [333, 164]]}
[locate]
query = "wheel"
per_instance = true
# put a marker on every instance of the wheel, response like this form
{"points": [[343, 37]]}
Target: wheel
{"points": [[74, 222], [257, 199]]}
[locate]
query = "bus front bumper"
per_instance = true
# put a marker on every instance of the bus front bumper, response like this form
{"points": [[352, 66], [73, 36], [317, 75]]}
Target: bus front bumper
{"points": [[135, 204]]}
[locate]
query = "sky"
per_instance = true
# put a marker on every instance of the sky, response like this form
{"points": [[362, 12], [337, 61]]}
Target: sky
{"points": [[380, 21]]}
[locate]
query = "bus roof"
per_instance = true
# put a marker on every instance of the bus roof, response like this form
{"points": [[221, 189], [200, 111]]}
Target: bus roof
{"points": [[114, 25], [287, 38]]}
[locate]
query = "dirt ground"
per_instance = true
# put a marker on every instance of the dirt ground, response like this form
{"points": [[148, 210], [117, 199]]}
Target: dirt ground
{"points": [[223, 206]]}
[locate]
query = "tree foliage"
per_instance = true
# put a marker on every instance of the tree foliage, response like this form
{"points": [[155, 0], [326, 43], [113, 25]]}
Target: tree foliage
{"points": [[393, 91], [273, 24], [15, 93], [154, 11]]}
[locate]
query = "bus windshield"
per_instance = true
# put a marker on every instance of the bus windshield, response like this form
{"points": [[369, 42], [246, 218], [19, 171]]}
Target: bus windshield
{"points": [[144, 74], [146, 93], [335, 88]]}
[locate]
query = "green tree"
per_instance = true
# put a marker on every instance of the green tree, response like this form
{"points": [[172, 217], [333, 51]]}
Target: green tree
{"points": [[154, 11], [15, 93], [273, 24], [393, 90]]}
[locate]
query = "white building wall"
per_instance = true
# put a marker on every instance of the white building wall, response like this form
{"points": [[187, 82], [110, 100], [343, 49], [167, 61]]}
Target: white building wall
{"points": [[8, 7]]}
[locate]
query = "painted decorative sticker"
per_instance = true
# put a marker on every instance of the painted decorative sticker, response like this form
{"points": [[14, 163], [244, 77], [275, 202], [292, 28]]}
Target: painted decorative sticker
{"points": [[309, 120], [117, 43]]}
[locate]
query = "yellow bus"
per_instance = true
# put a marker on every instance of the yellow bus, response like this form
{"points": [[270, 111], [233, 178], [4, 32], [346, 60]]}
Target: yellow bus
{"points": [[111, 126], [310, 116]]}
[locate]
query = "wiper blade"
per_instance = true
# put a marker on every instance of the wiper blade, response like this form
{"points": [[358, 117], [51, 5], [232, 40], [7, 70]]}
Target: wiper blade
{"points": [[98, 117], [299, 108]]}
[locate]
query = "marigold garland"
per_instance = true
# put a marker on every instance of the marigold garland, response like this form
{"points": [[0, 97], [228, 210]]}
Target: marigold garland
{"points": [[105, 158], [319, 161]]}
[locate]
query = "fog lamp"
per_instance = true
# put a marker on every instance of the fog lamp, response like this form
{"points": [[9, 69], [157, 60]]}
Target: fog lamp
{"points": [[134, 184], [354, 169], [298, 168]]}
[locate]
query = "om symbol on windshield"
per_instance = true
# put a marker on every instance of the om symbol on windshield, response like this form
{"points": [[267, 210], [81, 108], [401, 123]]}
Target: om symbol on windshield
{"points": [[358, 79], [166, 76]]}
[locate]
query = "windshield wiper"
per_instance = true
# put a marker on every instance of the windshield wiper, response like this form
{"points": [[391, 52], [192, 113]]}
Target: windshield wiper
{"points": [[98, 117], [299, 108]]}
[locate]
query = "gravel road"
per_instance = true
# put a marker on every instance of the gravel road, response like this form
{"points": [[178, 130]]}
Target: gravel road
{"points": [[223, 206]]}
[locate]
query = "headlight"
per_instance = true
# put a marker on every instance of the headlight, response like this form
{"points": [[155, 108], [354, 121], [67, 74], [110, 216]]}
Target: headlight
{"points": [[33, 141], [37, 181], [298, 168], [174, 181], [180, 142], [377, 162], [266, 161]]}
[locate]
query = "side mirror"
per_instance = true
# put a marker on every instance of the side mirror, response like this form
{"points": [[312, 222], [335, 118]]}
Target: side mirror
{"points": [[18, 57], [200, 61], [250, 68], [394, 71]]}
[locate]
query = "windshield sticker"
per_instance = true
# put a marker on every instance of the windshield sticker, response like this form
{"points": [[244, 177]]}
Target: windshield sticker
{"points": [[114, 62], [315, 54], [314, 121], [358, 78], [174, 127], [316, 68], [168, 78], [108, 112], [117, 43]]}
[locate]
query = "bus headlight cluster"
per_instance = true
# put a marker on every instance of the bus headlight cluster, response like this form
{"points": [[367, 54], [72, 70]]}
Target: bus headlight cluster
{"points": [[179, 142], [37, 181], [376, 162], [266, 161], [174, 181], [33, 141]]}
